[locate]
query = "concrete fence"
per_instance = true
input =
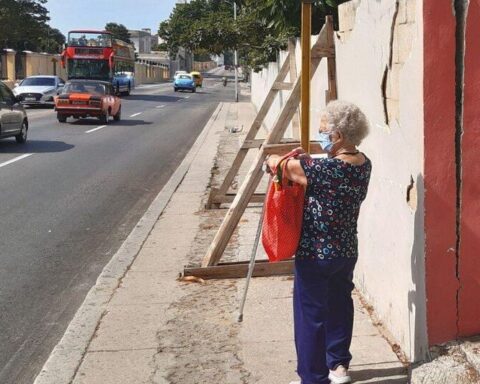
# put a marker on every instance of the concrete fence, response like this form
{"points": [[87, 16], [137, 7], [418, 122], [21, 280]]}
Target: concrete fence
{"points": [[201, 66], [18, 65]]}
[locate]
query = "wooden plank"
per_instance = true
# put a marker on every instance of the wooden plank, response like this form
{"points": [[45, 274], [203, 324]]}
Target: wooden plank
{"points": [[255, 174], [331, 62], [282, 86], [293, 76], [283, 149], [323, 52], [255, 127], [239, 270], [250, 144], [306, 38], [229, 197]]}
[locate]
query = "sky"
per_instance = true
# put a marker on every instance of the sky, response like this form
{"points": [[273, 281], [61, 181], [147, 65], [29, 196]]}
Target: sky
{"points": [[66, 15]]}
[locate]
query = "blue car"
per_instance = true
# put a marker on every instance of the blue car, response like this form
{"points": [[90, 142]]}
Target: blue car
{"points": [[184, 81], [123, 83]]}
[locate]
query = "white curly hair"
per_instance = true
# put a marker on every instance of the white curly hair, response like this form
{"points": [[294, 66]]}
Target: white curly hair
{"points": [[347, 118]]}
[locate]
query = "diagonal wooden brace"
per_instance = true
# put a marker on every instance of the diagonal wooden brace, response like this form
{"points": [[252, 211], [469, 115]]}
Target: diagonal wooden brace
{"points": [[255, 173]]}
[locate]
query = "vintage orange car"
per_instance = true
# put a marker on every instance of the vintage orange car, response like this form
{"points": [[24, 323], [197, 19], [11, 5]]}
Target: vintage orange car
{"points": [[88, 98]]}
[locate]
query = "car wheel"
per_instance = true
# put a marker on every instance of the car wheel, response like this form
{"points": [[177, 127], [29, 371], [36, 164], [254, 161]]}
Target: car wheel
{"points": [[117, 89], [194, 90], [104, 119], [129, 89], [118, 116], [61, 118], [175, 89], [21, 138]]}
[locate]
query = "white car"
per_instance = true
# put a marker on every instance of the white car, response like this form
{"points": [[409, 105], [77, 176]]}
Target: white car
{"points": [[38, 90], [179, 73]]}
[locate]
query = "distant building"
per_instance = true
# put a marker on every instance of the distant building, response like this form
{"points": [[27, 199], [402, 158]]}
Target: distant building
{"points": [[157, 40], [142, 40]]}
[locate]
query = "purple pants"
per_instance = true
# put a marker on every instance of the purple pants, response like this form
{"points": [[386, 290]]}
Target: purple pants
{"points": [[323, 316]]}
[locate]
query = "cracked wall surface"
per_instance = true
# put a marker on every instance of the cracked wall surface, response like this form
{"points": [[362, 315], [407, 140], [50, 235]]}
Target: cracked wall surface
{"points": [[380, 68]]}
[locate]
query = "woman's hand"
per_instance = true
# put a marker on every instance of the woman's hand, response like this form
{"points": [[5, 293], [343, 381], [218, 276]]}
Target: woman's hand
{"points": [[301, 154], [271, 163]]}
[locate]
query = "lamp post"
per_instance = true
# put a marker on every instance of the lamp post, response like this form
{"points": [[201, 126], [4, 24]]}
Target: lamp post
{"points": [[305, 80], [236, 54]]}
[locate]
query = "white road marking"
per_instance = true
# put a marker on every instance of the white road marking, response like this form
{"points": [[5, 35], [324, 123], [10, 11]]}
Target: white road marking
{"points": [[187, 97], [96, 129], [15, 159], [136, 114], [160, 106]]}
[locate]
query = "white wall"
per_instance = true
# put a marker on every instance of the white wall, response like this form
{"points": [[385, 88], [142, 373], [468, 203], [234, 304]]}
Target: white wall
{"points": [[390, 271]]}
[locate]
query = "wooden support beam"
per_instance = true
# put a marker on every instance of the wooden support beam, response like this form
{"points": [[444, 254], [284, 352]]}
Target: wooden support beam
{"points": [[228, 198], [255, 174], [255, 127], [323, 52], [282, 86], [250, 144], [293, 76], [331, 62], [305, 78], [240, 269], [283, 149]]}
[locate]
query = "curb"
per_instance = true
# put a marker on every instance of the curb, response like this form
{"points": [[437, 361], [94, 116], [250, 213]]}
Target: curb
{"points": [[66, 358]]}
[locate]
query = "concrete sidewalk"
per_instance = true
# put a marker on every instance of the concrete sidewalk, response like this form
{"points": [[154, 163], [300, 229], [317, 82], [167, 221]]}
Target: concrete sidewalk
{"points": [[152, 328]]}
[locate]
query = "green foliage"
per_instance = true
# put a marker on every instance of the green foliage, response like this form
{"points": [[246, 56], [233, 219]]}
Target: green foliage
{"points": [[159, 47], [24, 26], [261, 30], [119, 31]]}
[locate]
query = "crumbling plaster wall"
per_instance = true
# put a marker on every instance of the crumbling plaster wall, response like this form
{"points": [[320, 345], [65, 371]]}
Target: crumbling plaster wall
{"points": [[379, 49], [380, 68]]}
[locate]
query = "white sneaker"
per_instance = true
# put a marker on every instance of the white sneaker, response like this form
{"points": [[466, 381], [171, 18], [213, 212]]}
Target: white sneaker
{"points": [[339, 376]]}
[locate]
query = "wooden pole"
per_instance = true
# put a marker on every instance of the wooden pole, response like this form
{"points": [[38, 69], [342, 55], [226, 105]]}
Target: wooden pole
{"points": [[306, 63]]}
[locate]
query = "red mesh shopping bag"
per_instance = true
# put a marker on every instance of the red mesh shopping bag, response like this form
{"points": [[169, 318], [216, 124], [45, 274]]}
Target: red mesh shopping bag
{"points": [[282, 220]]}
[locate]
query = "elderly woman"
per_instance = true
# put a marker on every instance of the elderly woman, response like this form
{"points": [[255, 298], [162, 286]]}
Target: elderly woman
{"points": [[335, 187]]}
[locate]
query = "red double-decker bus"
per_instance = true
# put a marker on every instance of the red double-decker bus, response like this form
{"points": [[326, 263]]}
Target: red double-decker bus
{"points": [[96, 55]]}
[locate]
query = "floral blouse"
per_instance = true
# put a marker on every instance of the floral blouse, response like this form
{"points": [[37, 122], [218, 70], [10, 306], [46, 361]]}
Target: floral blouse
{"points": [[335, 191]]}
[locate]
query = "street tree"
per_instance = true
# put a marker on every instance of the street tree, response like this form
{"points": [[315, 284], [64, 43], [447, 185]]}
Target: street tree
{"points": [[119, 31], [261, 30], [24, 26]]}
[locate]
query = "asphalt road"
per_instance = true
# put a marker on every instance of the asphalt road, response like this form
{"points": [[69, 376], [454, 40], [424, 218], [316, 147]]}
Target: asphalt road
{"points": [[70, 197]]}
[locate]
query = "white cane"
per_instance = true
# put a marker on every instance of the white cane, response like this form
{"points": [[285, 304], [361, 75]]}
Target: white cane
{"points": [[251, 266]]}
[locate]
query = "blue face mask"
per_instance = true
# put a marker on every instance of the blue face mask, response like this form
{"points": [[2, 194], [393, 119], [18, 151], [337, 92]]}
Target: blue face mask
{"points": [[324, 140]]}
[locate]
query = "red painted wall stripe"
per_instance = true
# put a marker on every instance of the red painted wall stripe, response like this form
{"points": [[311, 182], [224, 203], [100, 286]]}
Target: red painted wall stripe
{"points": [[469, 295], [440, 178]]}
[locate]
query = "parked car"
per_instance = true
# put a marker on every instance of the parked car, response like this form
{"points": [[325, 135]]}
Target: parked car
{"points": [[185, 82], [177, 73], [197, 76], [13, 118], [88, 98], [38, 90]]}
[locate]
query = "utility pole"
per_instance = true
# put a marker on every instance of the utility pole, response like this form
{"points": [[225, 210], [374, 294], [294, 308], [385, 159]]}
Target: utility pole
{"points": [[236, 54]]}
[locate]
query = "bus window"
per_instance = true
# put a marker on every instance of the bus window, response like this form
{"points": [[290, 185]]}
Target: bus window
{"points": [[88, 69]]}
